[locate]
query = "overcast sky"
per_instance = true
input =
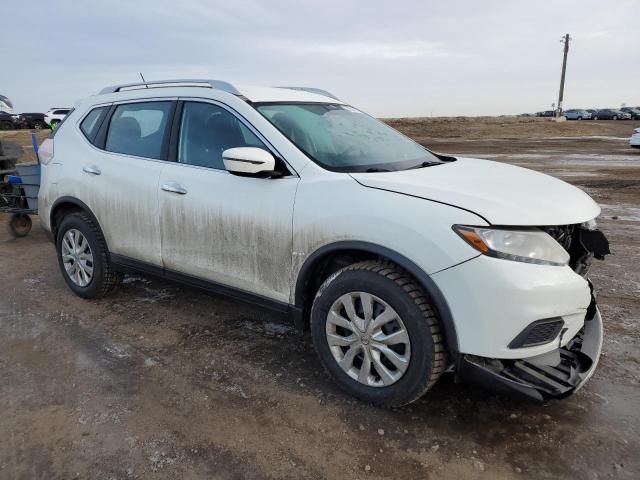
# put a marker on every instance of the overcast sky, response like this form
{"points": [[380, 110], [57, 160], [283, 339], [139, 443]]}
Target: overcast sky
{"points": [[391, 58]]}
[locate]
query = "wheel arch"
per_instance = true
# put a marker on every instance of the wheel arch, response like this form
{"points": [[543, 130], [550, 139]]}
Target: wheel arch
{"points": [[305, 291], [64, 206]]}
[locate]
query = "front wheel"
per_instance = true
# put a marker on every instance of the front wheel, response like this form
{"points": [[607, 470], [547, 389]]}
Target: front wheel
{"points": [[615, 117], [377, 334], [83, 257]]}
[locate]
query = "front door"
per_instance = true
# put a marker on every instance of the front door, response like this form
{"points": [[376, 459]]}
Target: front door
{"points": [[228, 229]]}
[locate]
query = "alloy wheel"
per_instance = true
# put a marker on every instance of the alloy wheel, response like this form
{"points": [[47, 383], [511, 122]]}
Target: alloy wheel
{"points": [[368, 339], [77, 257]]}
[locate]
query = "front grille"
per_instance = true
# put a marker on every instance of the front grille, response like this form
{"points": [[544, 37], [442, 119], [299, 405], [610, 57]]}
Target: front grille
{"points": [[538, 333], [562, 234], [570, 237]]}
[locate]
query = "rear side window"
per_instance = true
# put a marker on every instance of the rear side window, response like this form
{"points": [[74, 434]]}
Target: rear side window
{"points": [[61, 112], [139, 129], [92, 122]]}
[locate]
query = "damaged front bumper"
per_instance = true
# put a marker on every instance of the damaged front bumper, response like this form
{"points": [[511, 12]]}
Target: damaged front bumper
{"points": [[554, 375], [560, 372]]}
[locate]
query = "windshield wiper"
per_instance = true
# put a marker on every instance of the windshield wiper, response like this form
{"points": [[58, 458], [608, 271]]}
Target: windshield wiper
{"points": [[424, 164], [373, 169]]}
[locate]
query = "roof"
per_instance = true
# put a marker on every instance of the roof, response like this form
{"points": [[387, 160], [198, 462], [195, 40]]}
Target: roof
{"points": [[251, 93], [285, 94]]}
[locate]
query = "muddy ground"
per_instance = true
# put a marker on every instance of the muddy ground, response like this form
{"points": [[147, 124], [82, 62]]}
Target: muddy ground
{"points": [[161, 381]]}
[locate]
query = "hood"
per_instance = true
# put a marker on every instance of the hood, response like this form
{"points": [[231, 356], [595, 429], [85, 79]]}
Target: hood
{"points": [[502, 194]]}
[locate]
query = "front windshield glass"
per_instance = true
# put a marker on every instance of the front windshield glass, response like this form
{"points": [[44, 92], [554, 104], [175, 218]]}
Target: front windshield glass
{"points": [[343, 139]]}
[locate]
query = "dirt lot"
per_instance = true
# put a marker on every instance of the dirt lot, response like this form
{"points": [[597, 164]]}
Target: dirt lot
{"points": [[161, 381]]}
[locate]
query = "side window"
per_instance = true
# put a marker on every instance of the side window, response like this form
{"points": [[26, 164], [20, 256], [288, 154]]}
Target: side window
{"points": [[206, 131], [138, 129], [92, 122]]}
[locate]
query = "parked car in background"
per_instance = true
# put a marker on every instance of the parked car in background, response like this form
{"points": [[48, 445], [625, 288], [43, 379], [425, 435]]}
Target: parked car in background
{"points": [[7, 121], [546, 113], [33, 120], [633, 111], [611, 114], [634, 141], [592, 111], [577, 114], [397, 259], [55, 115]]}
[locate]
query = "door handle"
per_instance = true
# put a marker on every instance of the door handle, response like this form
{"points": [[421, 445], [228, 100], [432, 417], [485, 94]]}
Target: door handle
{"points": [[174, 188], [93, 170]]}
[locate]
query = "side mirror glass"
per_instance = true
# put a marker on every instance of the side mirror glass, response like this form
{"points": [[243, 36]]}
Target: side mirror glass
{"points": [[248, 161]]}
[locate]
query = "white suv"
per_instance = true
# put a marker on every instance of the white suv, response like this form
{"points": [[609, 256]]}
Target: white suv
{"points": [[55, 115], [403, 263]]}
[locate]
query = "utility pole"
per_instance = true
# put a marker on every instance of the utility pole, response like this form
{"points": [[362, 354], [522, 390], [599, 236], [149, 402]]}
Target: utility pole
{"points": [[564, 70]]}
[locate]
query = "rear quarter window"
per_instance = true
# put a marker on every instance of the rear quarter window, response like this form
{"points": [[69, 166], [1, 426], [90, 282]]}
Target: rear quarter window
{"points": [[91, 123]]}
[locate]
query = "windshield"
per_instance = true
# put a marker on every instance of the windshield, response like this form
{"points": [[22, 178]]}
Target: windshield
{"points": [[343, 139]]}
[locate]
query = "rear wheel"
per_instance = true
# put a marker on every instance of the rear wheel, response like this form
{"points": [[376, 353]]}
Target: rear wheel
{"points": [[4, 125], [83, 257], [579, 118], [615, 117], [377, 334]]}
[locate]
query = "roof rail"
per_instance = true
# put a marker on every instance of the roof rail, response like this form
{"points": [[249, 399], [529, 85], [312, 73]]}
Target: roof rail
{"points": [[215, 84], [317, 91]]}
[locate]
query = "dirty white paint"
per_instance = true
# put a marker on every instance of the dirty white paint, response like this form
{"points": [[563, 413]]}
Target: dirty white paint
{"points": [[345, 210], [229, 229]]}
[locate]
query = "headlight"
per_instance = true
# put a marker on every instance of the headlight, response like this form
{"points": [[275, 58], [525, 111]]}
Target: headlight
{"points": [[529, 246]]}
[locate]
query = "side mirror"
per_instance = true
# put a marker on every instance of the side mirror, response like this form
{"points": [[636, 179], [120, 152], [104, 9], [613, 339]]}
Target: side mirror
{"points": [[248, 161]]}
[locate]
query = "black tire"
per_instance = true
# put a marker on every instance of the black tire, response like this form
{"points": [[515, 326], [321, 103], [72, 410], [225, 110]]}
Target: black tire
{"points": [[615, 117], [105, 279], [595, 117], [390, 283], [38, 125], [7, 126], [579, 118], [20, 225]]}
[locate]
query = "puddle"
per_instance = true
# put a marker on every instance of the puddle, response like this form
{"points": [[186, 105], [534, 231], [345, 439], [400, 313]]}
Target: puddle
{"points": [[582, 159], [567, 173], [623, 211], [268, 328], [117, 351]]}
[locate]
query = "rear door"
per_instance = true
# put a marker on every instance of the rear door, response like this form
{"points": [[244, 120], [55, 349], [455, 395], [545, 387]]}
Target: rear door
{"points": [[227, 229], [122, 177]]}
